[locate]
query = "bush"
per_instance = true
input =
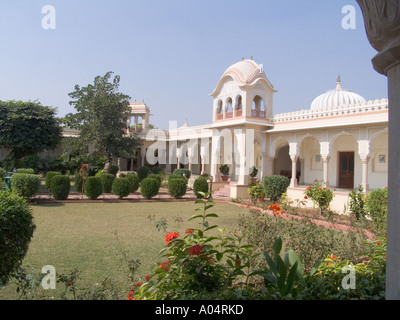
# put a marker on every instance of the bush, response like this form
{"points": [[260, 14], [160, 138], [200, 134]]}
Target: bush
{"points": [[17, 227], [200, 185], [60, 187], [143, 172], [113, 169], [182, 172], [93, 187], [275, 186], [78, 182], [28, 171], [157, 170], [121, 187], [49, 176], [133, 182], [321, 196], [25, 185], [157, 177], [376, 205], [149, 188], [177, 188], [2, 174], [107, 180]]}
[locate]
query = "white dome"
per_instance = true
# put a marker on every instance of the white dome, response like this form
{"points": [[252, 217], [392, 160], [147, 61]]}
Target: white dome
{"points": [[336, 98]]}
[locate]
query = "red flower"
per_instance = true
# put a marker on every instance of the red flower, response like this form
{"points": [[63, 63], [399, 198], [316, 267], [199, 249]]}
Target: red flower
{"points": [[189, 230], [305, 197], [170, 236], [165, 265], [130, 295], [147, 277], [138, 284], [196, 250]]}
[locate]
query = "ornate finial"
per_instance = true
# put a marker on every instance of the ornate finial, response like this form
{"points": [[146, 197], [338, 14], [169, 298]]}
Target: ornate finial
{"points": [[338, 79], [339, 86], [251, 58]]}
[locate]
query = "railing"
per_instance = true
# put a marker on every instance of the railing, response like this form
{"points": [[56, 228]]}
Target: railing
{"points": [[220, 116], [238, 113], [229, 115], [258, 113]]}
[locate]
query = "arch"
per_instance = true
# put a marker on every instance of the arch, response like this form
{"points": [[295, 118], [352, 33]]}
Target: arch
{"points": [[276, 144], [376, 134], [228, 108], [258, 107], [220, 107], [238, 102]]}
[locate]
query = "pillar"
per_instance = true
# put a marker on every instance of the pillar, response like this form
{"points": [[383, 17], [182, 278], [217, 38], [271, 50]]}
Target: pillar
{"points": [[382, 23], [365, 161], [293, 181], [325, 160]]}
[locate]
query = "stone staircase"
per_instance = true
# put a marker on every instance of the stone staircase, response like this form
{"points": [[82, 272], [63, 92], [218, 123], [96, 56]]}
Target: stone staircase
{"points": [[222, 191]]}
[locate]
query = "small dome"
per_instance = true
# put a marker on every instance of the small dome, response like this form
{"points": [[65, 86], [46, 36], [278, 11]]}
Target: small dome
{"points": [[336, 98]]}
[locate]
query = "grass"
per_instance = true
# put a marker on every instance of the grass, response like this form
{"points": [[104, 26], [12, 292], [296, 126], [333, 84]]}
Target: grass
{"points": [[82, 236]]}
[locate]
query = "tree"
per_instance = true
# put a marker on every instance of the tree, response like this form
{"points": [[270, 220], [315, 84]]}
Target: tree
{"points": [[101, 116], [27, 128]]}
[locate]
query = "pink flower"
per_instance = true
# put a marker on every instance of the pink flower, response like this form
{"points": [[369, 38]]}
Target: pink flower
{"points": [[196, 250]]}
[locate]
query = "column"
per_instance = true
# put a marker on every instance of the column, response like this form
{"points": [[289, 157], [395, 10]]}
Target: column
{"points": [[382, 23], [271, 166], [325, 160], [264, 165], [293, 181], [365, 161]]}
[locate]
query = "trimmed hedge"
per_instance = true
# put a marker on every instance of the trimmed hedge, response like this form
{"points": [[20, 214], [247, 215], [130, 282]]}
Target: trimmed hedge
{"points": [[49, 176], [143, 172], [275, 186], [133, 181], [60, 187], [177, 188], [200, 185], [28, 171], [24, 184], [93, 187], [17, 227], [181, 172], [113, 169], [157, 177], [149, 188], [107, 180], [121, 187]]}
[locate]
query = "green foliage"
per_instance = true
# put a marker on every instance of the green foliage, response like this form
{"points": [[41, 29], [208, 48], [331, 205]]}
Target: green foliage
{"points": [[320, 195], [60, 187], [133, 182], [121, 187], [78, 183], [27, 128], [157, 177], [3, 173], [107, 180], [50, 176], [25, 185], [357, 203], [113, 169], [376, 205], [149, 188], [200, 187], [253, 172], [256, 191], [177, 188], [275, 186], [16, 231], [282, 273], [157, 170], [224, 169], [143, 172], [182, 172], [93, 187], [101, 112], [28, 171]]}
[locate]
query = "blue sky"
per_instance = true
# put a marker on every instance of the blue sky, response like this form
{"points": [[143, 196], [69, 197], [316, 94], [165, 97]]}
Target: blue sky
{"points": [[171, 53]]}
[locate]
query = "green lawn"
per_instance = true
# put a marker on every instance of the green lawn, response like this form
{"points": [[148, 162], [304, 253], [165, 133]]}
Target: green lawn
{"points": [[81, 235]]}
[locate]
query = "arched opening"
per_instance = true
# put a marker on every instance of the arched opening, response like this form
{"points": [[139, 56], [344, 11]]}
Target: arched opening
{"points": [[258, 108], [219, 110], [239, 106], [311, 160], [229, 109]]}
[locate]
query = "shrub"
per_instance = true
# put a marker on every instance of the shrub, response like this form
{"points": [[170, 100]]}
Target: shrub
{"points": [[200, 185], [275, 186], [149, 188], [157, 170], [357, 203], [78, 182], [121, 187], [182, 172], [93, 187], [24, 184], [256, 191], [2, 174], [157, 177], [133, 182], [107, 180], [143, 172], [320, 195], [172, 176], [60, 187], [177, 188], [49, 176], [113, 169], [17, 227], [28, 171], [376, 205]]}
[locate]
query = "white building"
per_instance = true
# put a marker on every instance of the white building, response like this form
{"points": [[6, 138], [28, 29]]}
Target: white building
{"points": [[342, 139]]}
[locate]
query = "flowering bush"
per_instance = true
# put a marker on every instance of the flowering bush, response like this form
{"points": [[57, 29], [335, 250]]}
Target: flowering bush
{"points": [[256, 191], [199, 265], [321, 196]]}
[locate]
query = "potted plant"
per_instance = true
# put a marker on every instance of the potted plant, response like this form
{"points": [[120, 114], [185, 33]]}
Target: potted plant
{"points": [[224, 170], [257, 192], [253, 173]]}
